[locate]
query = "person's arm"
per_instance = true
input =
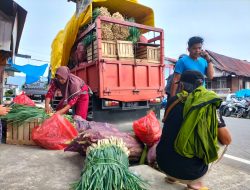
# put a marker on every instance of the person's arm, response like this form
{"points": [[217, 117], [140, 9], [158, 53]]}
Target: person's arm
{"points": [[49, 96], [210, 69], [64, 110], [224, 136], [71, 103], [47, 105], [174, 86]]}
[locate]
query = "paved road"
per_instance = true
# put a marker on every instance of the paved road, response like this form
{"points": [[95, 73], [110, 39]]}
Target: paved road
{"points": [[238, 154], [33, 168]]}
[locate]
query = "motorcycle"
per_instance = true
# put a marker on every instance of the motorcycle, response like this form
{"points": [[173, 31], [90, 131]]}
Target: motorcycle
{"points": [[236, 109]]}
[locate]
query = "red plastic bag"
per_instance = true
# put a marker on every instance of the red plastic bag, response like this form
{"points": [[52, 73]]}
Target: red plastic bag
{"points": [[54, 132], [148, 129], [24, 100]]}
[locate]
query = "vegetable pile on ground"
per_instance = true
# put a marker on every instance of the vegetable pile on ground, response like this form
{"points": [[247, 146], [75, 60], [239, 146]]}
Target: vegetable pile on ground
{"points": [[106, 168], [91, 132]]}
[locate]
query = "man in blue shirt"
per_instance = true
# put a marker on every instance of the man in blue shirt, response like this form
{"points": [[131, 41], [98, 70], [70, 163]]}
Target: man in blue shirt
{"points": [[197, 60]]}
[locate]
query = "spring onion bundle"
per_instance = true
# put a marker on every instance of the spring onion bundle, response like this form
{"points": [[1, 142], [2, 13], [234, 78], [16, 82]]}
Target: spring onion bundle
{"points": [[106, 168], [20, 114]]}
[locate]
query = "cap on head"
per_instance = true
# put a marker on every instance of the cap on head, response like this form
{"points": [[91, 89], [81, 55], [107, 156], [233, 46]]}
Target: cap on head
{"points": [[191, 77]]}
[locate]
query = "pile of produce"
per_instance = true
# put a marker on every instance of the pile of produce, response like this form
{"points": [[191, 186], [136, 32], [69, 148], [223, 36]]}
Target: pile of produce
{"points": [[107, 33], [134, 33], [91, 132], [21, 113], [88, 39], [106, 168], [120, 32]]}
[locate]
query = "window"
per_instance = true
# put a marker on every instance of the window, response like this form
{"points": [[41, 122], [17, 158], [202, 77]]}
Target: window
{"points": [[208, 84], [221, 83]]}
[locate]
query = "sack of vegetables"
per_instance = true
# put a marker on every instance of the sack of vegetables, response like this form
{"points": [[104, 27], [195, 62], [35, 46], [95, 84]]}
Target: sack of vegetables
{"points": [[91, 132]]}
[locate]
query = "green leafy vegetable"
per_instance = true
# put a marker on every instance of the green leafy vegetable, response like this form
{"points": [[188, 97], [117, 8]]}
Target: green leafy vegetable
{"points": [[106, 168]]}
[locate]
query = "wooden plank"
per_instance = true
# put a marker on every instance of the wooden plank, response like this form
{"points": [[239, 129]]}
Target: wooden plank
{"points": [[31, 127], [20, 135], [14, 138], [9, 133], [26, 132]]}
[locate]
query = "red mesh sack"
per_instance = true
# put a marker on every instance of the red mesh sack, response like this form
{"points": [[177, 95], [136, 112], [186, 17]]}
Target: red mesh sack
{"points": [[24, 100], [148, 129], [54, 132]]}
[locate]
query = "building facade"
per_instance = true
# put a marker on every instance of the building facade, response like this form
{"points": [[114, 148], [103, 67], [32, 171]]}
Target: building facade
{"points": [[230, 75]]}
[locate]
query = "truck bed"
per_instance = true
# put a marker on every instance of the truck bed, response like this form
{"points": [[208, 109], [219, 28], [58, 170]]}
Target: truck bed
{"points": [[123, 80]]}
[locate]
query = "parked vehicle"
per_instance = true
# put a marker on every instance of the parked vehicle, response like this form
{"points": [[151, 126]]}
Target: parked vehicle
{"points": [[237, 108], [126, 77], [246, 114], [36, 90]]}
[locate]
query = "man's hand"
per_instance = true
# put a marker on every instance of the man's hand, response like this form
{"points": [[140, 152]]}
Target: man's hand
{"points": [[205, 55], [4, 110]]}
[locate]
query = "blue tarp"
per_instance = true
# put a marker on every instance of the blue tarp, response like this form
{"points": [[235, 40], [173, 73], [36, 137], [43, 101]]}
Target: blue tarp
{"points": [[32, 72], [243, 93]]}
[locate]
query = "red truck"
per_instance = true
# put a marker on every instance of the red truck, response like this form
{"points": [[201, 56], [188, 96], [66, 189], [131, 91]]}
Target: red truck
{"points": [[124, 89]]}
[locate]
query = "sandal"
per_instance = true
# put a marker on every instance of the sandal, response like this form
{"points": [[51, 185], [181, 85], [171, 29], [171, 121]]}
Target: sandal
{"points": [[201, 188], [170, 181]]}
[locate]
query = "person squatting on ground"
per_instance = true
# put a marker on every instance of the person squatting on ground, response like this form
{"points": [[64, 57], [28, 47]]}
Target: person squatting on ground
{"points": [[192, 129], [193, 62], [74, 92]]}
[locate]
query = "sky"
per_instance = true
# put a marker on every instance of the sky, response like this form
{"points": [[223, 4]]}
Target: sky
{"points": [[224, 25]]}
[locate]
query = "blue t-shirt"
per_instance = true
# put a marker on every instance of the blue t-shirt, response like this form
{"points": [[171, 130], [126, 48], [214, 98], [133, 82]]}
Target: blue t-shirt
{"points": [[187, 63]]}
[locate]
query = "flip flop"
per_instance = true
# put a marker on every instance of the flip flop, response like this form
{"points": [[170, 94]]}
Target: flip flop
{"points": [[202, 188], [170, 181]]}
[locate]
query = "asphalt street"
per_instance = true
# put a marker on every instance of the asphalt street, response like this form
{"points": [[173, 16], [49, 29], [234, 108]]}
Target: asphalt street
{"points": [[238, 153]]}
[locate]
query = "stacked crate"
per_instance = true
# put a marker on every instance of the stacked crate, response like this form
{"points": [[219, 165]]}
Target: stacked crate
{"points": [[108, 50], [125, 50], [152, 54]]}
